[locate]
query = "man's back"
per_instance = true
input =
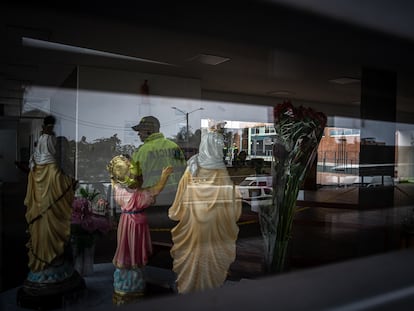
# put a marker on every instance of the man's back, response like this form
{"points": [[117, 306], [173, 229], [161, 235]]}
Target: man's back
{"points": [[156, 153]]}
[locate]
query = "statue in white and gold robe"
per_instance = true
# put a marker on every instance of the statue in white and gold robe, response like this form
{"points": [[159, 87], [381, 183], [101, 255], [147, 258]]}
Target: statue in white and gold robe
{"points": [[207, 206]]}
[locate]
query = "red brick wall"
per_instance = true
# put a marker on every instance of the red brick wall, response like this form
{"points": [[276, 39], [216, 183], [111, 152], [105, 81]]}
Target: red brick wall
{"points": [[339, 148]]}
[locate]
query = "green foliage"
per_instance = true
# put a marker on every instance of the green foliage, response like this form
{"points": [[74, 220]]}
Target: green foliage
{"points": [[298, 133], [85, 193]]}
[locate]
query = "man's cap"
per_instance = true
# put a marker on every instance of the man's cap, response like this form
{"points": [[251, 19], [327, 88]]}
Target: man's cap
{"points": [[148, 122]]}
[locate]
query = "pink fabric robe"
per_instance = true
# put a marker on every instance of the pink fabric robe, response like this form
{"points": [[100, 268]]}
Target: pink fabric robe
{"points": [[134, 240]]}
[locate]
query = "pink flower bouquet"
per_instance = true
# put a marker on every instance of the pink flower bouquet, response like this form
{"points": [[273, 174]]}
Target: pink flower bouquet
{"points": [[86, 224]]}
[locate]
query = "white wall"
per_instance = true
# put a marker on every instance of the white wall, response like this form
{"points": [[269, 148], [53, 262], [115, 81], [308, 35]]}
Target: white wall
{"points": [[405, 152], [110, 102]]}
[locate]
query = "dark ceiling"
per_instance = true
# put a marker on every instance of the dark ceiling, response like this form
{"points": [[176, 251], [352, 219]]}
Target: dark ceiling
{"points": [[271, 47]]}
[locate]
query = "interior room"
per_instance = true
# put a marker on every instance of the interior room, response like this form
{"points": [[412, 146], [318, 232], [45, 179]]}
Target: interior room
{"points": [[99, 68]]}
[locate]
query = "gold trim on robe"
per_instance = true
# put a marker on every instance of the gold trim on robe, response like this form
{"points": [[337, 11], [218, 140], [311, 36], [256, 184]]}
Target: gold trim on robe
{"points": [[207, 208], [49, 209]]}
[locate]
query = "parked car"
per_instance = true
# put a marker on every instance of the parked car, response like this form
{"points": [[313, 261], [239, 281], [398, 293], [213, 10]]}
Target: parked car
{"points": [[254, 196], [257, 180], [379, 181]]}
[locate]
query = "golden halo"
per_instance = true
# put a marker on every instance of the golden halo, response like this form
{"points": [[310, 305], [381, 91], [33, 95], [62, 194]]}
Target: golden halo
{"points": [[123, 171]]}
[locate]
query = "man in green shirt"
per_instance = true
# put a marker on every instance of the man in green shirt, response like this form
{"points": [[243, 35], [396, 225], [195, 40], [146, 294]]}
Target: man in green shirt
{"points": [[154, 154]]}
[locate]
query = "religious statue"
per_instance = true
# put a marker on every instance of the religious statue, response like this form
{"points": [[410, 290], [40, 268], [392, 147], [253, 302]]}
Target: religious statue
{"points": [[133, 238], [207, 206], [49, 209]]}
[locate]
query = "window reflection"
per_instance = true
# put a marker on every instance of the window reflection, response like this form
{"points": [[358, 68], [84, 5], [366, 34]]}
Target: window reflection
{"points": [[96, 126]]}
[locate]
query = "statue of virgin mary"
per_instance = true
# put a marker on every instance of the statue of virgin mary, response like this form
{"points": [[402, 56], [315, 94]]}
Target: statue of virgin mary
{"points": [[207, 206]]}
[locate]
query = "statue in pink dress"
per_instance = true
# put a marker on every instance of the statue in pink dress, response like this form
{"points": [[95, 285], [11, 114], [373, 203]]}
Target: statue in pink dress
{"points": [[133, 239]]}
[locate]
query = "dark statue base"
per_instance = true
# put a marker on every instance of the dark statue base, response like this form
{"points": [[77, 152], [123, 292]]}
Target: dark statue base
{"points": [[48, 296], [119, 299]]}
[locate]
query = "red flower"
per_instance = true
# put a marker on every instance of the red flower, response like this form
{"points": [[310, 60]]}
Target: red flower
{"points": [[284, 109]]}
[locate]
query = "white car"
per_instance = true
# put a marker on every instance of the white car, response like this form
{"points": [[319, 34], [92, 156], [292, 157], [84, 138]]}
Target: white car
{"points": [[257, 180], [254, 196]]}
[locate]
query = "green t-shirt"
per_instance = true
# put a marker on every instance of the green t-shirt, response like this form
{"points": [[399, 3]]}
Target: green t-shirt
{"points": [[156, 153]]}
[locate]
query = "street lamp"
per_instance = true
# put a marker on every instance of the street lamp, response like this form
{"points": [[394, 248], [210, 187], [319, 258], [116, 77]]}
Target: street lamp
{"points": [[186, 118]]}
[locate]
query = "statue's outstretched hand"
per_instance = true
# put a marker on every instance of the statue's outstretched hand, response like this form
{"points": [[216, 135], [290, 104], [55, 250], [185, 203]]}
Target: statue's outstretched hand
{"points": [[167, 171]]}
